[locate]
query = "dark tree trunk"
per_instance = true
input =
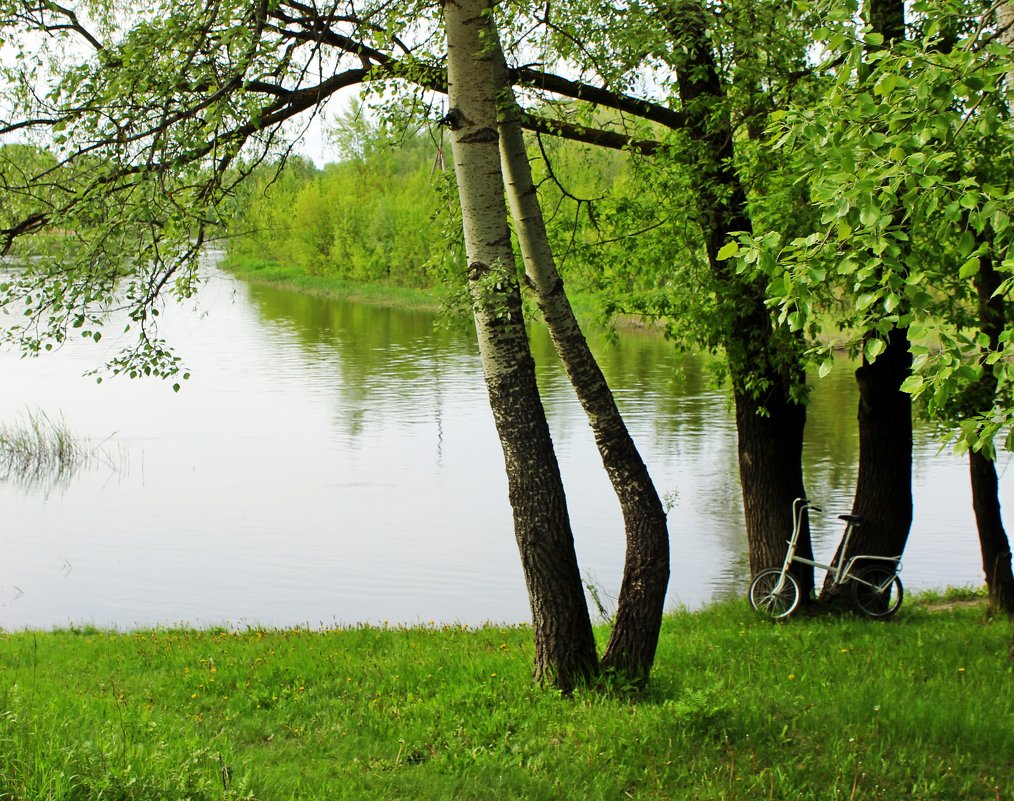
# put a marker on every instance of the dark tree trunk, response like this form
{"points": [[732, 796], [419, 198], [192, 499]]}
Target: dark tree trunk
{"points": [[996, 555], [993, 541], [564, 642], [887, 17], [770, 469], [884, 485], [765, 362]]}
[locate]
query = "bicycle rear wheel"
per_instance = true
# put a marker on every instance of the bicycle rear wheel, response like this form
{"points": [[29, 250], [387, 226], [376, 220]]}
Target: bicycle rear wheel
{"points": [[877, 591], [768, 598]]}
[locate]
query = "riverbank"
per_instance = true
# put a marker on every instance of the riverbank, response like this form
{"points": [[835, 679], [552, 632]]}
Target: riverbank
{"points": [[587, 307], [739, 708], [287, 276]]}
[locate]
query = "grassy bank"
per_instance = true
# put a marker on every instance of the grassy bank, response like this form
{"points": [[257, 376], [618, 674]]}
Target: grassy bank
{"points": [[739, 708], [287, 276]]}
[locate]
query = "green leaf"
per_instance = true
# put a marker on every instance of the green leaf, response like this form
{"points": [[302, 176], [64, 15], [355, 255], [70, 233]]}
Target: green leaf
{"points": [[1001, 220], [825, 368], [887, 83], [865, 300], [874, 347], [868, 211], [728, 250], [912, 384], [969, 268], [966, 243]]}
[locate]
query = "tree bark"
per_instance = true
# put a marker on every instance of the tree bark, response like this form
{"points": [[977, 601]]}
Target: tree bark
{"points": [[1005, 22], [993, 541], [883, 495], [634, 637], [884, 484], [770, 445], [564, 641], [765, 363], [887, 17]]}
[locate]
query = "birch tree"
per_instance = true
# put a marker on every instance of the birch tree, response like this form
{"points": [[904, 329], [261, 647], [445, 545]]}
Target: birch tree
{"points": [[564, 644], [635, 631], [145, 159]]}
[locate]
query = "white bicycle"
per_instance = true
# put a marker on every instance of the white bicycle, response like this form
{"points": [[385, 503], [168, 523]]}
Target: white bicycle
{"points": [[876, 589]]}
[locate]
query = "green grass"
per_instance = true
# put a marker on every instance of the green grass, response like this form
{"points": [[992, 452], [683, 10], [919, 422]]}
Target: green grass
{"points": [[587, 306], [739, 708], [288, 276]]}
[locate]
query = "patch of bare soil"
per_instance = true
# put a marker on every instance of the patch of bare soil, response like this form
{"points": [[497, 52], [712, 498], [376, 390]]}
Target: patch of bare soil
{"points": [[947, 606]]}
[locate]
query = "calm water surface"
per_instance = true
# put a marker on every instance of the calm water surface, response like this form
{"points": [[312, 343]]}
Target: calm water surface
{"points": [[336, 463]]}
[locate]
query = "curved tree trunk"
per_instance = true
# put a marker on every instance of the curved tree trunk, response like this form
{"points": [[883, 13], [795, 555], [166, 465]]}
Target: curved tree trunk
{"points": [[634, 637], [564, 641]]}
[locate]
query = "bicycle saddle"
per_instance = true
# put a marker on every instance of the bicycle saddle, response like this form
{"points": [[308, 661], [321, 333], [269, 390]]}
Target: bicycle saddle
{"points": [[855, 520]]}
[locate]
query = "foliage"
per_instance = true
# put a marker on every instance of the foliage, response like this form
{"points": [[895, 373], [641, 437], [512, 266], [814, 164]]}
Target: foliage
{"points": [[153, 118], [448, 712], [908, 163], [651, 241], [379, 215]]}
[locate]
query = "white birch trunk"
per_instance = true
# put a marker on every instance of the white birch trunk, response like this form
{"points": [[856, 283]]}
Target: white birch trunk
{"points": [[631, 648], [1005, 22], [564, 642]]}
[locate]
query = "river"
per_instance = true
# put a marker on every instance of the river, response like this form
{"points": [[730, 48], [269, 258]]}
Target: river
{"points": [[333, 463]]}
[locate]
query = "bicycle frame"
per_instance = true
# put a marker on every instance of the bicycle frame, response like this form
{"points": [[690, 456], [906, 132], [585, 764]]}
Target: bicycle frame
{"points": [[839, 575], [877, 591]]}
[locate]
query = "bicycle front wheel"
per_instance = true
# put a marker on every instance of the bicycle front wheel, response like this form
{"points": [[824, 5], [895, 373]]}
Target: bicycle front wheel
{"points": [[877, 591], [767, 597]]}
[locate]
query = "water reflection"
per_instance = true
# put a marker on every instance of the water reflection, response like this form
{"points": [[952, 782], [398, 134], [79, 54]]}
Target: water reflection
{"points": [[334, 462]]}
